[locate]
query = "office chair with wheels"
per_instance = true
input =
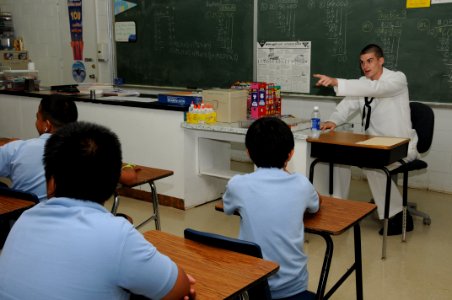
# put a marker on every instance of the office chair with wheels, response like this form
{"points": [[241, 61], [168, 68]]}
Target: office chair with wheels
{"points": [[423, 120], [258, 292]]}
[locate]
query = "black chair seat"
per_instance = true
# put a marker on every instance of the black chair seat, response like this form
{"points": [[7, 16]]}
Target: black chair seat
{"points": [[416, 164]]}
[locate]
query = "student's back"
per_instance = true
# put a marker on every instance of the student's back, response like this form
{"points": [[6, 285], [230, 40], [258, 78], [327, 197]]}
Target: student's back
{"points": [[21, 160], [271, 203]]}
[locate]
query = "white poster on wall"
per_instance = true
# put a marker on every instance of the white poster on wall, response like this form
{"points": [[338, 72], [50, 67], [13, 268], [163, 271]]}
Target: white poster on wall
{"points": [[287, 64]]}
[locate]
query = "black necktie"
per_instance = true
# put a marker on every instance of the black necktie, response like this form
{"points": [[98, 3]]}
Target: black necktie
{"points": [[366, 115]]}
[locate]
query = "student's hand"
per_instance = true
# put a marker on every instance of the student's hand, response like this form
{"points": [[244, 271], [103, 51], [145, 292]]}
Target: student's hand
{"points": [[327, 125], [325, 80], [192, 282], [128, 174]]}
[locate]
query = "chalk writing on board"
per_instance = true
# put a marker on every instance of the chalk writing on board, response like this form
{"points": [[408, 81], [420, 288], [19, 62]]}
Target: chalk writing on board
{"points": [[441, 30], [283, 15], [218, 47], [389, 32]]}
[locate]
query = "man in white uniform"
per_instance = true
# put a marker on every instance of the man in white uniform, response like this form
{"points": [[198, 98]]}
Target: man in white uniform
{"points": [[382, 97]]}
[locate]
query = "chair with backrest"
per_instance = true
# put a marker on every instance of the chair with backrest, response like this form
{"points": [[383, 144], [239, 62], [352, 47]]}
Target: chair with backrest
{"points": [[258, 292], [423, 120]]}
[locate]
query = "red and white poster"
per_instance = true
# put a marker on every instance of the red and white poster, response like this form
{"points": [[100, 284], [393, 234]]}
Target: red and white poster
{"points": [[76, 28]]}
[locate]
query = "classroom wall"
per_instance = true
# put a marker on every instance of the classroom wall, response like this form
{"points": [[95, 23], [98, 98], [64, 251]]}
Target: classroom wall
{"points": [[44, 26]]}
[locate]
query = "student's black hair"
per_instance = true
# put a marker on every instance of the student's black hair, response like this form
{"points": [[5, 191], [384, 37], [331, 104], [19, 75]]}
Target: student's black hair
{"points": [[58, 109], [269, 142], [85, 161], [372, 48]]}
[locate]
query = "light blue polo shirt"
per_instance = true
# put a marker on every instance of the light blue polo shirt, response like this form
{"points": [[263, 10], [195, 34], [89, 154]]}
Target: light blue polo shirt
{"points": [[271, 203], [72, 249], [21, 162]]}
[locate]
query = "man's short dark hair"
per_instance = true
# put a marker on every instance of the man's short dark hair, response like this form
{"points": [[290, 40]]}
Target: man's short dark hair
{"points": [[269, 141], [372, 48], [58, 109], [85, 161]]}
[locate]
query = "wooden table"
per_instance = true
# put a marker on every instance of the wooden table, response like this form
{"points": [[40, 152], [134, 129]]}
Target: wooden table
{"points": [[347, 148], [5, 140], [219, 273], [144, 175], [11, 205], [334, 217]]}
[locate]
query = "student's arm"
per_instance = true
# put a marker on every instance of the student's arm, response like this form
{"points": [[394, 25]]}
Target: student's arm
{"points": [[128, 174], [324, 80], [315, 204], [183, 288]]}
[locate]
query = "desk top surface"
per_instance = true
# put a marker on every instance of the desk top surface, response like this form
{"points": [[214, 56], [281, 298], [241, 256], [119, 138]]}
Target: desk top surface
{"points": [[5, 140], [346, 138], [337, 215], [148, 174], [8, 204], [334, 216], [219, 273]]}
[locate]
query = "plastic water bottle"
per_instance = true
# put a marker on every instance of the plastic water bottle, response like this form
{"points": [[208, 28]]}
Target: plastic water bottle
{"points": [[315, 122]]}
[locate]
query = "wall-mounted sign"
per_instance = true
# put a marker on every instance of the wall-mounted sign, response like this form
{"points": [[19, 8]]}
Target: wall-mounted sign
{"points": [[125, 32], [76, 28]]}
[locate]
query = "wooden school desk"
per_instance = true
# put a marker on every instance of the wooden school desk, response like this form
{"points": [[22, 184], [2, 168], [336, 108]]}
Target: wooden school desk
{"points": [[5, 140], [11, 205], [334, 217], [219, 273], [364, 151], [144, 175]]}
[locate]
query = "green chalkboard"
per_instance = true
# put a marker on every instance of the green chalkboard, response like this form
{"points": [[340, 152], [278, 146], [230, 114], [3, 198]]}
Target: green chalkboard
{"points": [[187, 43], [417, 42]]}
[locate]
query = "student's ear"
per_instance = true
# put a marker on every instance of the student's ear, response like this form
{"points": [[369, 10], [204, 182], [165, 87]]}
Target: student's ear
{"points": [[290, 155], [50, 187], [48, 126]]}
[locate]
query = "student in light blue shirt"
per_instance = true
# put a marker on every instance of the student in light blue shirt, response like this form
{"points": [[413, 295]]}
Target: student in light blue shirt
{"points": [[21, 160], [70, 247], [271, 203]]}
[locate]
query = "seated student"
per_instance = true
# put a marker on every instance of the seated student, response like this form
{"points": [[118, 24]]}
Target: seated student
{"points": [[21, 160], [70, 246], [271, 202]]}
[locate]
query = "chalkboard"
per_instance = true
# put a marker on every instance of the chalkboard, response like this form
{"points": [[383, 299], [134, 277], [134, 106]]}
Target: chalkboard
{"points": [[187, 43], [417, 42]]}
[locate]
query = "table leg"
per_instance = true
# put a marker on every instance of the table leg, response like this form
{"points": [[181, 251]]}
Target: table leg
{"points": [[358, 262], [326, 265], [114, 208], [155, 206], [386, 212]]}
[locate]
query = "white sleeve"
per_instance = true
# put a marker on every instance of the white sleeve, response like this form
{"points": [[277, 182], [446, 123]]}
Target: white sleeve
{"points": [[389, 85]]}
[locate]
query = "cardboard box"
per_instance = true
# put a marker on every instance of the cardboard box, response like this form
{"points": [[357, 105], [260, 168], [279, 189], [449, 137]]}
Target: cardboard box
{"points": [[16, 60], [230, 104]]}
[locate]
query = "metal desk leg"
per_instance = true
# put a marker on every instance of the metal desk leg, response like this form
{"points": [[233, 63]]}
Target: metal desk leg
{"points": [[386, 213], [326, 265], [114, 208], [358, 262], [155, 205]]}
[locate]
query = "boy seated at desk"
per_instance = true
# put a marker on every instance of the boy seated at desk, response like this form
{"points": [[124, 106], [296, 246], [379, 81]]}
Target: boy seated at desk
{"points": [[71, 247], [271, 203]]}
